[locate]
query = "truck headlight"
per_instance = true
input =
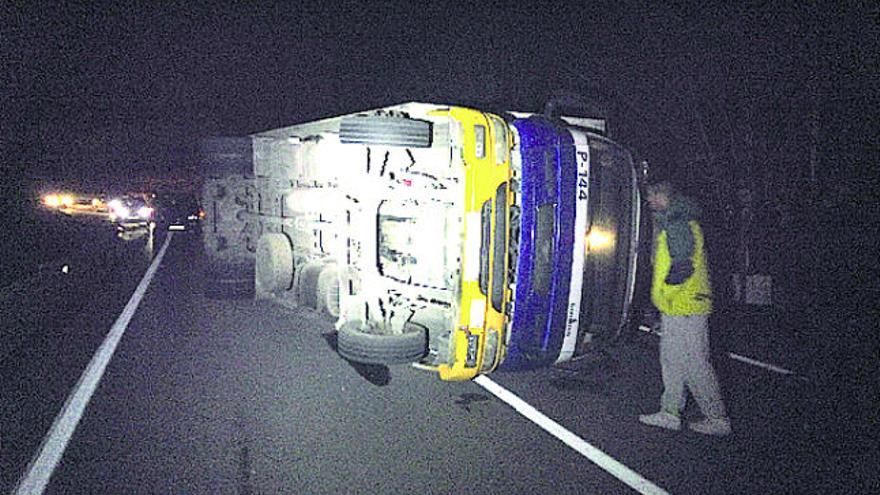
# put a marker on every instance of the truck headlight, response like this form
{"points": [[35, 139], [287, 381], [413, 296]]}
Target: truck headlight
{"points": [[491, 350], [473, 342], [480, 141], [599, 240], [500, 128]]}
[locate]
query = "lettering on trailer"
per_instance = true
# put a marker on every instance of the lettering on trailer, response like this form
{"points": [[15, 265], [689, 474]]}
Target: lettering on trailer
{"points": [[572, 321]]}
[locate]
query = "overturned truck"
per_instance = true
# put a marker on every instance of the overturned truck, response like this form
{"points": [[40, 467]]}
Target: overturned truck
{"points": [[403, 226]]}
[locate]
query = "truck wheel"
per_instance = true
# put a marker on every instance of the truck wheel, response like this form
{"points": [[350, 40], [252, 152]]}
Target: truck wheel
{"points": [[356, 345], [328, 292], [307, 285], [386, 131], [274, 263]]}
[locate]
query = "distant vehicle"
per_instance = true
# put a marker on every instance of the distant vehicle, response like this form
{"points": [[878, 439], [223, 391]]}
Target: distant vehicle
{"points": [[73, 204], [130, 213], [132, 234], [58, 200], [178, 211], [99, 205]]}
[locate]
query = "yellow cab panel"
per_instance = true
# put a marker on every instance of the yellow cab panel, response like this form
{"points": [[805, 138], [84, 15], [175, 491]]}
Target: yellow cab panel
{"points": [[478, 339]]}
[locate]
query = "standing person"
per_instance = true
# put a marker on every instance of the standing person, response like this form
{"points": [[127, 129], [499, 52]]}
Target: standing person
{"points": [[681, 292]]}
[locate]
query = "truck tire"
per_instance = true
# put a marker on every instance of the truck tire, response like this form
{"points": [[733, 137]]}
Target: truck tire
{"points": [[356, 345], [386, 131], [307, 285], [274, 263], [328, 292]]}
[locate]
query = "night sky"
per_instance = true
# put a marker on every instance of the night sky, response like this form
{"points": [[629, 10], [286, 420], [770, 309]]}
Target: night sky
{"points": [[95, 90], [765, 95]]}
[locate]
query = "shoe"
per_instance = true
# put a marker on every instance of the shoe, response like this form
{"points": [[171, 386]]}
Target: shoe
{"points": [[718, 427], [662, 419]]}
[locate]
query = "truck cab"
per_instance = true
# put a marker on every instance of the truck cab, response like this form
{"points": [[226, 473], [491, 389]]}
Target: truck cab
{"points": [[578, 209]]}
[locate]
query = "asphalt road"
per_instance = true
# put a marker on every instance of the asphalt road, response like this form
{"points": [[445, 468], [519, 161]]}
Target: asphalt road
{"points": [[209, 396]]}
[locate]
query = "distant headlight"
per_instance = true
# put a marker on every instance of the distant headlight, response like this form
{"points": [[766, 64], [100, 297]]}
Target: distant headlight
{"points": [[52, 200], [122, 211]]}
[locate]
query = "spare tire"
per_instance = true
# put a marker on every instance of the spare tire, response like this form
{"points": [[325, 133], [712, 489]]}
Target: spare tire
{"points": [[386, 130], [354, 344]]}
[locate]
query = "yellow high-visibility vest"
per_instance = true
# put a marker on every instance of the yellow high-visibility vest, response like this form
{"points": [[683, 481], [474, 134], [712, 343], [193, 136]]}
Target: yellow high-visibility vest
{"points": [[694, 296]]}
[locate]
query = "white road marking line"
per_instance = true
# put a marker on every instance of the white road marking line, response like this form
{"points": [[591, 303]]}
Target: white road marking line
{"points": [[647, 329], [761, 364], [633, 479], [41, 467], [744, 359]]}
